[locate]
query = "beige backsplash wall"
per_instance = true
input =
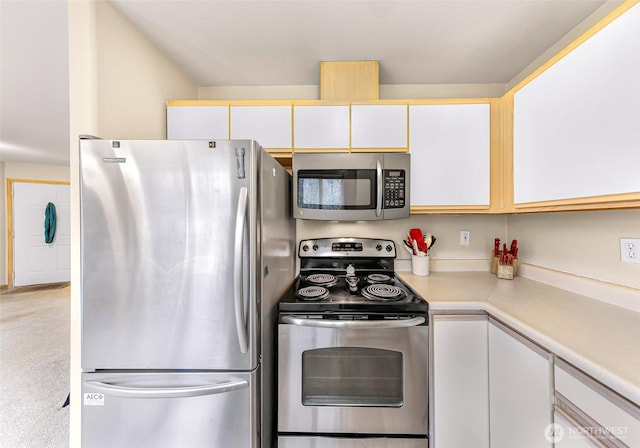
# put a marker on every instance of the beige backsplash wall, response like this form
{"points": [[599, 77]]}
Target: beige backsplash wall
{"points": [[585, 244], [580, 243], [483, 228]]}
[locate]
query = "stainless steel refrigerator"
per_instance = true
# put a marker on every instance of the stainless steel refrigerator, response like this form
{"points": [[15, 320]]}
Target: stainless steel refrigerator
{"points": [[186, 247]]}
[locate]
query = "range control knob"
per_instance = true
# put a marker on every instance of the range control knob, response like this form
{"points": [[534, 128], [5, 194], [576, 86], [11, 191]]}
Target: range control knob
{"points": [[379, 247], [305, 248], [389, 248], [315, 247]]}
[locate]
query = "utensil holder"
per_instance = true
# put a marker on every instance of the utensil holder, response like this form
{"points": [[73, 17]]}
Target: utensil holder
{"points": [[420, 265]]}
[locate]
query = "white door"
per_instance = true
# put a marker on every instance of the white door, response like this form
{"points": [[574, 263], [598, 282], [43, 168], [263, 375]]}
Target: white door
{"points": [[34, 261]]}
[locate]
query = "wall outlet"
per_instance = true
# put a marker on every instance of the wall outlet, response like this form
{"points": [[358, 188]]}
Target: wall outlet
{"points": [[465, 236], [630, 250]]}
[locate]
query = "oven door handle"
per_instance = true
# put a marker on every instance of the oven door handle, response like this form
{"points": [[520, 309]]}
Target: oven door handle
{"points": [[340, 324], [379, 188]]}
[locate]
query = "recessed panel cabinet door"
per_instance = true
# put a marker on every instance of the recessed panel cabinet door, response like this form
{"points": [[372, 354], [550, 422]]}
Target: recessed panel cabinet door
{"points": [[450, 154]]}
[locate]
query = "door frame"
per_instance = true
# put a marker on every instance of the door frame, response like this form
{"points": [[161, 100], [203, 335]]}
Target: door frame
{"points": [[9, 189]]}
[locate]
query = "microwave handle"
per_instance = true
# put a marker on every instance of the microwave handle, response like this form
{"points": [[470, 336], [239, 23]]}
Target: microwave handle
{"points": [[363, 324], [379, 188]]}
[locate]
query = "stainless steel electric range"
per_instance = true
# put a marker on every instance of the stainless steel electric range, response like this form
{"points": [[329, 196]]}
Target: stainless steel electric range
{"points": [[352, 350]]}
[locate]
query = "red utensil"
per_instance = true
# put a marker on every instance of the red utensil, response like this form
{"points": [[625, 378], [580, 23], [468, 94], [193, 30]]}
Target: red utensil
{"points": [[418, 237]]}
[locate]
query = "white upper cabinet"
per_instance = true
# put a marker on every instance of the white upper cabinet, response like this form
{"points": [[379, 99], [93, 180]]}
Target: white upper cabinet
{"points": [[378, 126], [577, 125], [321, 127], [197, 122], [270, 126], [450, 154]]}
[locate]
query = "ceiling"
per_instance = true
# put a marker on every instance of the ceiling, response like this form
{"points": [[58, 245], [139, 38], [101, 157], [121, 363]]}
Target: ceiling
{"points": [[273, 42]]}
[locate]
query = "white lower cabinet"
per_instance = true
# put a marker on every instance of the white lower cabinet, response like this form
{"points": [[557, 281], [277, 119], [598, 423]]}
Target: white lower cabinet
{"points": [[597, 412], [492, 387], [567, 434], [460, 382], [520, 392]]}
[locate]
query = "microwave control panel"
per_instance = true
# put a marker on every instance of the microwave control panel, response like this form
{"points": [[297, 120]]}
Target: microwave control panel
{"points": [[394, 188]]}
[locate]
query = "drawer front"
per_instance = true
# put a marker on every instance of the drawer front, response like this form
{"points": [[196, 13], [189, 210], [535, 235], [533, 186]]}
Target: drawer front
{"points": [[619, 416]]}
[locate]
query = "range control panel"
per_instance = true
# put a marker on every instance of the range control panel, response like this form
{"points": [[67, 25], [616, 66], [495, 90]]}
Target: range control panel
{"points": [[347, 247], [394, 188]]}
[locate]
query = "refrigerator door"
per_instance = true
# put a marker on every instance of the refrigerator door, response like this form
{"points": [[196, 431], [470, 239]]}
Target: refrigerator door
{"points": [[167, 241], [186, 410]]}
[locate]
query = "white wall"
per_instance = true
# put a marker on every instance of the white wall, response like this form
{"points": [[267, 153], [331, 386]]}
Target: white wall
{"points": [[135, 80], [118, 86], [31, 171], [581, 243], [447, 253], [604, 10], [312, 92]]}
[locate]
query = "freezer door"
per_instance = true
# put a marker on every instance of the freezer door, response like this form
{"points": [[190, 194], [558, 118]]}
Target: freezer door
{"points": [[177, 410], [167, 240]]}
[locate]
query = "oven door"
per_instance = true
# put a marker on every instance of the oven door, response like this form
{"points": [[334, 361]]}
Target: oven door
{"points": [[353, 377]]}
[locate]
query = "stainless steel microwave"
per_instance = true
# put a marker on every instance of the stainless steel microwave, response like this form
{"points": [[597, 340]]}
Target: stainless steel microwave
{"points": [[351, 186]]}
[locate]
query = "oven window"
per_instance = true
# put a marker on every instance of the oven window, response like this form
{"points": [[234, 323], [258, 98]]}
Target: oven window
{"points": [[336, 189], [352, 376]]}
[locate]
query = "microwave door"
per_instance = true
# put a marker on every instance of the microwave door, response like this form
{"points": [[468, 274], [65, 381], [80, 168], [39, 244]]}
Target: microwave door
{"points": [[352, 186], [339, 194]]}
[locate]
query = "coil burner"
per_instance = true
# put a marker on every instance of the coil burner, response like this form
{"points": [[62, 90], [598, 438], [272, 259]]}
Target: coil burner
{"points": [[313, 293], [378, 278], [383, 293], [326, 280]]}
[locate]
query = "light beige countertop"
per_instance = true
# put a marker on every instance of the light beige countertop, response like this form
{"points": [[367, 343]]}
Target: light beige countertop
{"points": [[602, 340]]}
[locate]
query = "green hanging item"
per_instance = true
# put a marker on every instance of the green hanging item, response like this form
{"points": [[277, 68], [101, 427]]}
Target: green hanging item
{"points": [[49, 223]]}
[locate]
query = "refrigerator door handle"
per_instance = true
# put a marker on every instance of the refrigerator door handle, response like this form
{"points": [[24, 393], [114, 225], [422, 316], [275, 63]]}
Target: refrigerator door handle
{"points": [[238, 262], [168, 392]]}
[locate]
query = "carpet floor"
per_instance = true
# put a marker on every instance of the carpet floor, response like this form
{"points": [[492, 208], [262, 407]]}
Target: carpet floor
{"points": [[34, 367]]}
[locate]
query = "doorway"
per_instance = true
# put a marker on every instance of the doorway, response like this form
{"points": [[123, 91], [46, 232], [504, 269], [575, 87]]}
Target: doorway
{"points": [[31, 259]]}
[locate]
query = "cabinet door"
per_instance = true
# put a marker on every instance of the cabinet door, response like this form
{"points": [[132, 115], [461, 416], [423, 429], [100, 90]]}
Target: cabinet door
{"points": [[450, 154], [566, 434], [378, 126], [270, 126], [460, 382], [576, 132], [598, 405], [519, 390], [197, 122], [321, 127]]}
